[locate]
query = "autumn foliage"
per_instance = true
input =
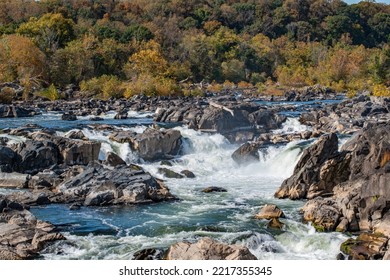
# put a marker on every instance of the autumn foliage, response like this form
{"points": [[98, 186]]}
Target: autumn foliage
{"points": [[128, 47]]}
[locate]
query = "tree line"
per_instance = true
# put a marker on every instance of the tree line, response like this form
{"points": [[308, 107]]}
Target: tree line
{"points": [[157, 47]]}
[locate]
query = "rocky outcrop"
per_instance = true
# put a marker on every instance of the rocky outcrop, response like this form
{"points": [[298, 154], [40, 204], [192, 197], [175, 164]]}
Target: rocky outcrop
{"points": [[348, 190], [98, 185], [208, 249], [238, 121], [22, 236], [315, 169], [13, 180], [152, 144]]}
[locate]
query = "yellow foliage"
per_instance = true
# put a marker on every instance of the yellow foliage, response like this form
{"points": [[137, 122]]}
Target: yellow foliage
{"points": [[21, 59], [151, 86], [105, 86], [244, 84], [51, 93], [381, 90], [215, 87]]}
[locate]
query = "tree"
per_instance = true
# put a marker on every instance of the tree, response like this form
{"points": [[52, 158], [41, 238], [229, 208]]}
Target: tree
{"points": [[21, 60], [49, 32]]}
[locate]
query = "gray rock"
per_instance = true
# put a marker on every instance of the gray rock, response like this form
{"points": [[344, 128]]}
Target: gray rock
{"points": [[208, 249], [13, 180], [22, 236], [308, 169], [113, 159], [247, 153], [152, 144], [169, 173], [98, 185], [213, 189]]}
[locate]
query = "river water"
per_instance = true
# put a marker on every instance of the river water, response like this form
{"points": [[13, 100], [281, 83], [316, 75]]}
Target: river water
{"points": [[118, 232]]}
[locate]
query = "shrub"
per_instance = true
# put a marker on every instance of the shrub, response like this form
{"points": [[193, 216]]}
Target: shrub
{"points": [[50, 93], [152, 86], [6, 95], [105, 86]]}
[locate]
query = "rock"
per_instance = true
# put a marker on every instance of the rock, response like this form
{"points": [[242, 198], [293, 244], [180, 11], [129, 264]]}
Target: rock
{"points": [[169, 173], [149, 254], [274, 223], [75, 206], [269, 212], [365, 247], [69, 117], [324, 214], [247, 153], [73, 134], [13, 180], [98, 185], [166, 162], [96, 119], [22, 236], [113, 159], [152, 144], [308, 169], [214, 189], [188, 174], [12, 111], [36, 155], [208, 249], [8, 159], [79, 152]]}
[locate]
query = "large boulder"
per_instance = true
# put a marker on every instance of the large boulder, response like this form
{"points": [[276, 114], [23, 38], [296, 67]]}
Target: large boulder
{"points": [[8, 159], [270, 211], [98, 185], [72, 151], [152, 144], [308, 170], [208, 249], [247, 153], [36, 155], [22, 236]]}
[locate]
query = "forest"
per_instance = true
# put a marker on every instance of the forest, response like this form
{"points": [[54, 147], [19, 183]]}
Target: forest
{"points": [[114, 48]]}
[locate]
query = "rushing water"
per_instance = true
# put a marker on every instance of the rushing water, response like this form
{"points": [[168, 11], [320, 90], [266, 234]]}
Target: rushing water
{"points": [[118, 232]]}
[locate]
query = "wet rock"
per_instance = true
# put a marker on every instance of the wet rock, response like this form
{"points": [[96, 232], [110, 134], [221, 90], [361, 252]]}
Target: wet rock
{"points": [[308, 169], [366, 246], [170, 173], [96, 119], [247, 153], [149, 254], [208, 249], [166, 162], [214, 189], [270, 211], [69, 117], [113, 159], [188, 174], [98, 185], [75, 206], [13, 180], [152, 144], [22, 236], [274, 223]]}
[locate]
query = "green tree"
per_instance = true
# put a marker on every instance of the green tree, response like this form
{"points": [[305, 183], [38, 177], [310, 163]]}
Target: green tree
{"points": [[49, 32]]}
